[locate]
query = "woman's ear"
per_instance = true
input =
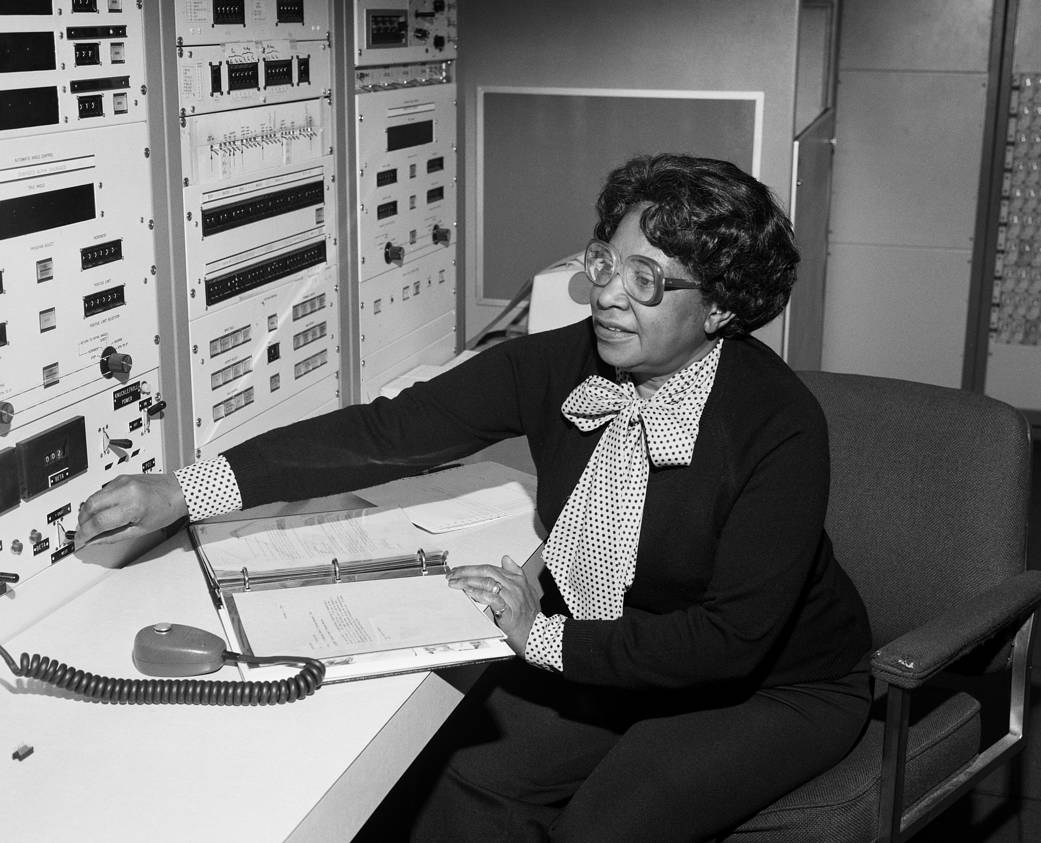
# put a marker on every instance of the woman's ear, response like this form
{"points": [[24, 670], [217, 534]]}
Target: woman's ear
{"points": [[716, 319]]}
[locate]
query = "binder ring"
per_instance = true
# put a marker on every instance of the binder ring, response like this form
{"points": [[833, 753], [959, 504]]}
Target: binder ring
{"points": [[245, 579], [336, 571], [422, 559]]}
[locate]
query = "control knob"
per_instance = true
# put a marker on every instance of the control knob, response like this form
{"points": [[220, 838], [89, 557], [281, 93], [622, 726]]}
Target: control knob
{"points": [[115, 363]]}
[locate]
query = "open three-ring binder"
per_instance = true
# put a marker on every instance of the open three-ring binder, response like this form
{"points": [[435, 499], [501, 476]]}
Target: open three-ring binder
{"points": [[362, 590]]}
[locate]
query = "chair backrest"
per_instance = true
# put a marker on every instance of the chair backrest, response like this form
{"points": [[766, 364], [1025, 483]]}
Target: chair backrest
{"points": [[929, 493]]}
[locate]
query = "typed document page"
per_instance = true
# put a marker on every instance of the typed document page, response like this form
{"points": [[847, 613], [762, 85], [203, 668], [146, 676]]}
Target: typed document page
{"points": [[346, 619]]}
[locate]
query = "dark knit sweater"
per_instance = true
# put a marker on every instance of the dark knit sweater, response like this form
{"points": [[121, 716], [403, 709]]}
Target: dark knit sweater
{"points": [[736, 585]]}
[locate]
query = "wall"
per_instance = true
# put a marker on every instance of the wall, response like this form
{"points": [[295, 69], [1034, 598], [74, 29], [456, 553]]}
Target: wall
{"points": [[910, 111], [743, 45]]}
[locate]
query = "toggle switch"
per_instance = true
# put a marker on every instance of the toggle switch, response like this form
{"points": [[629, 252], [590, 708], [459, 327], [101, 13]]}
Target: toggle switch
{"points": [[6, 578], [156, 408], [125, 444]]}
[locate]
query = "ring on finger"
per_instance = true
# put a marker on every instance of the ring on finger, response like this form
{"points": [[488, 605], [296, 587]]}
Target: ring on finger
{"points": [[497, 588]]}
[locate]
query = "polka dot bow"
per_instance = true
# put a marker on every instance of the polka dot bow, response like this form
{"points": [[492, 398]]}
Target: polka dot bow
{"points": [[591, 550]]}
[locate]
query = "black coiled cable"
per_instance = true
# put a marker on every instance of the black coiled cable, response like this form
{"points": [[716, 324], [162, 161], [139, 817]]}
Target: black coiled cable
{"points": [[192, 691]]}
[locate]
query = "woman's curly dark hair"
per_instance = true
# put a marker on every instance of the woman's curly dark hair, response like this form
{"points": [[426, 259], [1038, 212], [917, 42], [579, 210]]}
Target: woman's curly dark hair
{"points": [[724, 226]]}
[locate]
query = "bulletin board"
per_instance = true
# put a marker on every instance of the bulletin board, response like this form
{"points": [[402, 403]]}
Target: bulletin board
{"points": [[544, 153]]}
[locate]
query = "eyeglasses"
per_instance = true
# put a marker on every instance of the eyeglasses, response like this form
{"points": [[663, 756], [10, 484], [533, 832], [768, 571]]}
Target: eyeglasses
{"points": [[643, 279]]}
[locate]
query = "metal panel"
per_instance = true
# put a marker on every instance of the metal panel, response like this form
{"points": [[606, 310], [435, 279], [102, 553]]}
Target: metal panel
{"points": [[923, 35], [896, 312], [1027, 49], [908, 158], [815, 78], [811, 195], [1012, 376]]}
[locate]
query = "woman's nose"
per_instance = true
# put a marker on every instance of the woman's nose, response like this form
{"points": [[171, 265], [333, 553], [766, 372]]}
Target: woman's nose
{"points": [[612, 294]]}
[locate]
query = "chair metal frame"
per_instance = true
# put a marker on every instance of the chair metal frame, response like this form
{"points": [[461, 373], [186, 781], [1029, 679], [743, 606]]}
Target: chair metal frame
{"points": [[897, 823]]}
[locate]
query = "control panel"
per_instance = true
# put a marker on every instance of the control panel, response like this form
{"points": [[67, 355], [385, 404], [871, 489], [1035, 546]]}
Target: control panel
{"points": [[405, 167], [221, 77], [225, 21], [70, 65], [259, 193], [80, 398], [396, 31]]}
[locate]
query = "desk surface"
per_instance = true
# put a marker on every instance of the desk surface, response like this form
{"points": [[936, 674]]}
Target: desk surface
{"points": [[310, 770]]}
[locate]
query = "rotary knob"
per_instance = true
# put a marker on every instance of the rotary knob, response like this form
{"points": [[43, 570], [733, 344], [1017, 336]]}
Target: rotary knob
{"points": [[115, 362]]}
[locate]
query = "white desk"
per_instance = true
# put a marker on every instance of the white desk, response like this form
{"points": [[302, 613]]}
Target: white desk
{"points": [[311, 770]]}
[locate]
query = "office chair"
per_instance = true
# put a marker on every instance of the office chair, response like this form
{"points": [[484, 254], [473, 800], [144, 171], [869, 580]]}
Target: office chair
{"points": [[928, 515]]}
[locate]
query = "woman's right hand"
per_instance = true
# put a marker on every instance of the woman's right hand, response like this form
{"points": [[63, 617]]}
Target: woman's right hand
{"points": [[130, 506]]}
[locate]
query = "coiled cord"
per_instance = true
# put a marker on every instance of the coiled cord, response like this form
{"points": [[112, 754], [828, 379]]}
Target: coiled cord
{"points": [[192, 691]]}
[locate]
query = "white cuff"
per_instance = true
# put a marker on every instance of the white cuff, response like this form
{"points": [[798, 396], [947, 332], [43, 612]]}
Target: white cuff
{"points": [[209, 488], [545, 644]]}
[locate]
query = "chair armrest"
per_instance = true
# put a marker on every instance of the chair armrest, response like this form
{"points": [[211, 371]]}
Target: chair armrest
{"points": [[916, 656]]}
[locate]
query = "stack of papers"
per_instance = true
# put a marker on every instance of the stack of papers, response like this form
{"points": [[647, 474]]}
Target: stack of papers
{"points": [[350, 588]]}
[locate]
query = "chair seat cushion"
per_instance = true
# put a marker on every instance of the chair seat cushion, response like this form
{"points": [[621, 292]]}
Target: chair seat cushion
{"points": [[842, 803]]}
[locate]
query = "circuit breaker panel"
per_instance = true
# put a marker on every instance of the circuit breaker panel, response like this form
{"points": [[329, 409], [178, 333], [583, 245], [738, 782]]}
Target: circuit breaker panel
{"points": [[79, 380], [1016, 301], [405, 170], [257, 157]]}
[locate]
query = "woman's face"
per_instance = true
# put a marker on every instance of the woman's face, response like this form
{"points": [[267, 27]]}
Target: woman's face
{"points": [[651, 343]]}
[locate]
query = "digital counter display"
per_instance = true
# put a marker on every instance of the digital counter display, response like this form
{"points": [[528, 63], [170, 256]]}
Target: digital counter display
{"points": [[411, 134], [42, 211]]}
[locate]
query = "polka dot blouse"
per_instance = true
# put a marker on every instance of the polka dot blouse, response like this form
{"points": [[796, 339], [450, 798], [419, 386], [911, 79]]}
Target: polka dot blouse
{"points": [[591, 550]]}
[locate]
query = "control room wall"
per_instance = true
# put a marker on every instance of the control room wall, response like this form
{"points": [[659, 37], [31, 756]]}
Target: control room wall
{"points": [[909, 127]]}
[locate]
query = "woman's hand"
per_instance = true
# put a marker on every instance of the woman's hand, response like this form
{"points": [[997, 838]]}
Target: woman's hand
{"points": [[130, 506], [506, 591]]}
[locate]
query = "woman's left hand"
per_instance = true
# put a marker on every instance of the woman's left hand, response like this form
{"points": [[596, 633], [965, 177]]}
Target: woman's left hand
{"points": [[506, 591]]}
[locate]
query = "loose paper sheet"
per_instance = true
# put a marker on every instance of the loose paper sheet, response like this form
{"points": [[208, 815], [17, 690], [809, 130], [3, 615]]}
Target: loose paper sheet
{"points": [[458, 497]]}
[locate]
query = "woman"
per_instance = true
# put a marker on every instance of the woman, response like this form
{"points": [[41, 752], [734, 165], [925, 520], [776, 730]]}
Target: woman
{"points": [[697, 651]]}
